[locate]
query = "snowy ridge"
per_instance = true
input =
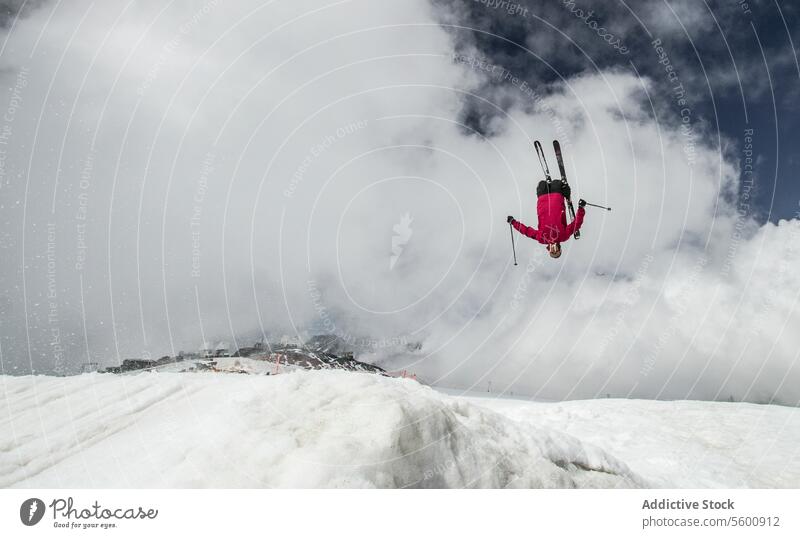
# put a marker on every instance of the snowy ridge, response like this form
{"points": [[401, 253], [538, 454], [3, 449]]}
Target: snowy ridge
{"points": [[302, 429]]}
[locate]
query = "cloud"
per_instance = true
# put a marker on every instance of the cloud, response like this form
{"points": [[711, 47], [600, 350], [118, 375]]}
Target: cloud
{"points": [[166, 139], [663, 296], [222, 172]]}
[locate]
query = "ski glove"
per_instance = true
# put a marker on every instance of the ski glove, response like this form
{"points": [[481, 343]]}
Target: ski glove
{"points": [[510, 219], [581, 203]]}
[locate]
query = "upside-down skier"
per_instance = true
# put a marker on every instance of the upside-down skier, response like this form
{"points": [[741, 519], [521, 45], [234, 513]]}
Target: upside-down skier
{"points": [[550, 207]]}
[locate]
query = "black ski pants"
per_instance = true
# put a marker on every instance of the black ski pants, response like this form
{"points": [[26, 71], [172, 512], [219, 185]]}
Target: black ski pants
{"points": [[553, 186]]}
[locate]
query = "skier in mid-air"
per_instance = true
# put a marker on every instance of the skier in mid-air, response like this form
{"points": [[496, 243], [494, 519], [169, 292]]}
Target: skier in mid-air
{"points": [[550, 206]]}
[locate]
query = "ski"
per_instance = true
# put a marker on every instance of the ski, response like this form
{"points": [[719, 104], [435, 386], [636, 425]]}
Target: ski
{"points": [[560, 160], [563, 172], [542, 160]]}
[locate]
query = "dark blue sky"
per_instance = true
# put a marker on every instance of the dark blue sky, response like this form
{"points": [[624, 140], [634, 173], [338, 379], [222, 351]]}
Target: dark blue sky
{"points": [[738, 65]]}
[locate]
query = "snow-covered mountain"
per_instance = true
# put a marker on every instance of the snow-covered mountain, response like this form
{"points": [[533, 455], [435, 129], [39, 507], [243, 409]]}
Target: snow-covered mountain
{"points": [[278, 359], [332, 428]]}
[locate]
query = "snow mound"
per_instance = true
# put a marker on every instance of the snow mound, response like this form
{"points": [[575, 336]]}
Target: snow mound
{"points": [[303, 429]]}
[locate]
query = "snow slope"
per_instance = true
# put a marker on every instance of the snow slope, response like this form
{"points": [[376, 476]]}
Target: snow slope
{"points": [[683, 444], [301, 429], [344, 429]]}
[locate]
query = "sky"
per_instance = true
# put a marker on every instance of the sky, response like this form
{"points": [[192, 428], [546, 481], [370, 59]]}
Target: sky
{"points": [[738, 65], [189, 172]]}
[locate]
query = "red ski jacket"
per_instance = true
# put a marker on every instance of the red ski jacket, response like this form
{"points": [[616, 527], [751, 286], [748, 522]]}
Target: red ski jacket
{"points": [[553, 227]]}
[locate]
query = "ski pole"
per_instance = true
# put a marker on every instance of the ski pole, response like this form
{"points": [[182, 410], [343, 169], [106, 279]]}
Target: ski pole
{"points": [[600, 206], [513, 248]]}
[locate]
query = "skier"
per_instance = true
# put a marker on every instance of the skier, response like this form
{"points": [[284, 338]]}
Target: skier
{"points": [[553, 227]]}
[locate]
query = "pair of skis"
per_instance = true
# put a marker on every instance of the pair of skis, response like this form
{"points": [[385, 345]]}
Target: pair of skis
{"points": [[562, 171]]}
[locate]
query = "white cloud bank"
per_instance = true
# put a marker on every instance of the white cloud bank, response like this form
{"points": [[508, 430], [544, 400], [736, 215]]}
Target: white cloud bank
{"points": [[244, 166]]}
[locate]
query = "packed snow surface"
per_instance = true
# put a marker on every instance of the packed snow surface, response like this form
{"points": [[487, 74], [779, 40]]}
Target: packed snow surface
{"points": [[679, 444], [344, 429]]}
